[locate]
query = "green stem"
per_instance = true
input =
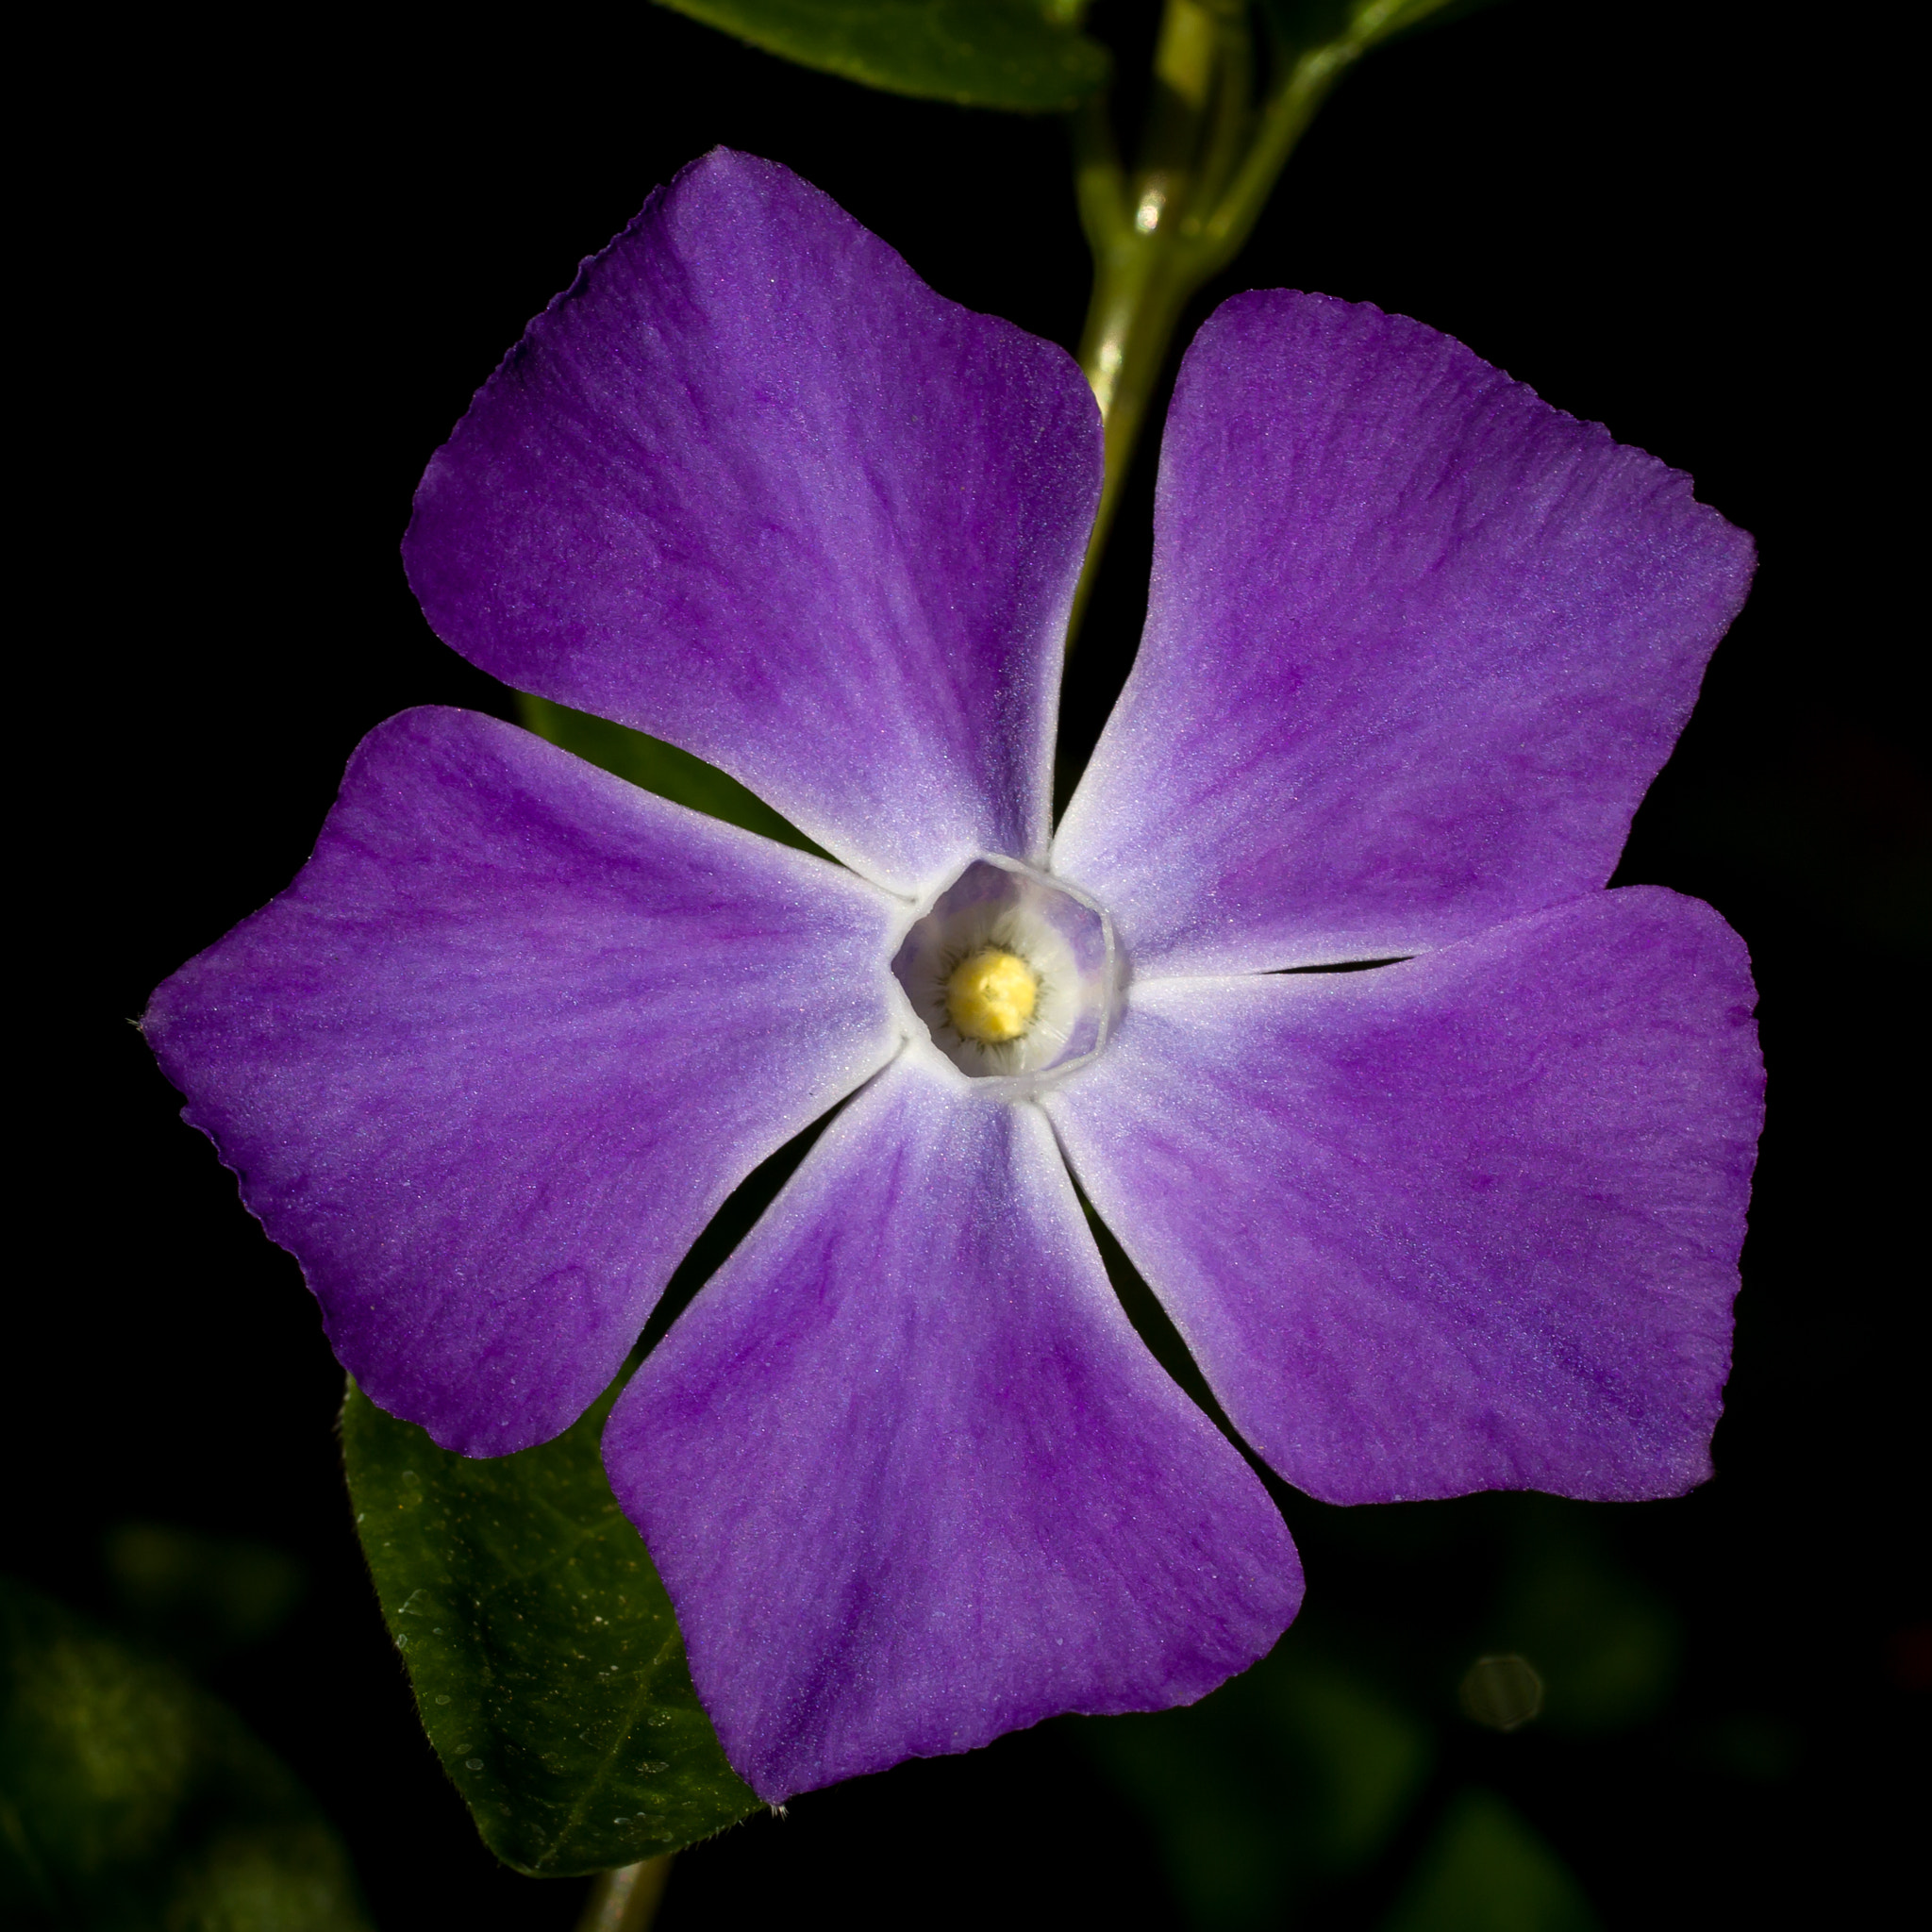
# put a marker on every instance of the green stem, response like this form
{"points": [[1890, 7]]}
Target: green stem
{"points": [[626, 1900], [1207, 165]]}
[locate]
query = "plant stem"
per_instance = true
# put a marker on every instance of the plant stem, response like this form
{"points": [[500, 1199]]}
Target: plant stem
{"points": [[1208, 161], [626, 1900]]}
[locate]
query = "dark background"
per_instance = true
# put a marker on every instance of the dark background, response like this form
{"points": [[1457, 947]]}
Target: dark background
{"points": [[287, 254]]}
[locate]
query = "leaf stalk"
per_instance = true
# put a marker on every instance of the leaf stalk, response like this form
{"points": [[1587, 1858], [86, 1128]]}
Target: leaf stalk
{"points": [[626, 1900], [1209, 161]]}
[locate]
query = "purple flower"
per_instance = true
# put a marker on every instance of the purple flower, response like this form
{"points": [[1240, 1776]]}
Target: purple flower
{"points": [[1417, 644]]}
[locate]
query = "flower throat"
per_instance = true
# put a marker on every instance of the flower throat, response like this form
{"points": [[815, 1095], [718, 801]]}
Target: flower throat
{"points": [[1013, 972]]}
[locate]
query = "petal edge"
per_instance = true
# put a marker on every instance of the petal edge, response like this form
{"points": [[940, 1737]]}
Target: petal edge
{"points": [[1471, 1221], [911, 1479], [491, 1062]]}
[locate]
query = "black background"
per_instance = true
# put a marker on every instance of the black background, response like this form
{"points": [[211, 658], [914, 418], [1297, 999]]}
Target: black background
{"points": [[286, 254]]}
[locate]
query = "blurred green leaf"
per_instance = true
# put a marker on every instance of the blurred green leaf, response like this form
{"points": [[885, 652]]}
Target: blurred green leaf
{"points": [[1361, 24], [1023, 54], [1486, 1870], [130, 1798], [1605, 1646], [199, 1596], [546, 1662], [662, 768], [1293, 1775]]}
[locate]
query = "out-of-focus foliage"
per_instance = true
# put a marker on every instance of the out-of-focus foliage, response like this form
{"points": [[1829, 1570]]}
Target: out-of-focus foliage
{"points": [[1294, 1774], [547, 1661], [1486, 1870], [131, 1799], [1362, 23], [199, 1597], [1344, 1780], [1605, 1646], [1023, 54]]}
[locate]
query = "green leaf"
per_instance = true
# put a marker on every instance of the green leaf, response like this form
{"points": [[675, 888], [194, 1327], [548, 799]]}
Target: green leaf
{"points": [[1023, 54], [546, 1662], [1359, 24], [662, 768], [130, 1798], [1486, 1870]]}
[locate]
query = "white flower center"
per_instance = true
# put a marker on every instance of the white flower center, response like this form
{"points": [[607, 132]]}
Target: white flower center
{"points": [[1014, 975]]}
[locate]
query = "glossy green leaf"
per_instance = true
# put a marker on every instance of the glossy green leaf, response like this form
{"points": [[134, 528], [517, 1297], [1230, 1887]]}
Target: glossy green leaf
{"points": [[662, 768], [1486, 1870], [546, 1662], [131, 1798], [1022, 55]]}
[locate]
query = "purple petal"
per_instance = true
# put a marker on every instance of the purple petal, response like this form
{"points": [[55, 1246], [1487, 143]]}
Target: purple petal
{"points": [[1466, 1222], [752, 487], [910, 1477], [1417, 642], [492, 1060]]}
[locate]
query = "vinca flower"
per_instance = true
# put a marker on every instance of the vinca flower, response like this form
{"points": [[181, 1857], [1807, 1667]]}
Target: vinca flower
{"points": [[1467, 1218]]}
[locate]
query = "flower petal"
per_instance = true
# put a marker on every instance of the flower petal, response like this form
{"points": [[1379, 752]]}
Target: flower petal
{"points": [[1416, 645], [910, 1477], [751, 485], [493, 1059], [1471, 1221]]}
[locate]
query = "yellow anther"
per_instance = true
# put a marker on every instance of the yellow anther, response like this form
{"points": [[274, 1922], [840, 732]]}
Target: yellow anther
{"points": [[990, 997]]}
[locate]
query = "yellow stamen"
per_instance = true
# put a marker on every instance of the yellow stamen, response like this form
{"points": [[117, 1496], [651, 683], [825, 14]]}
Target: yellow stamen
{"points": [[990, 997]]}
